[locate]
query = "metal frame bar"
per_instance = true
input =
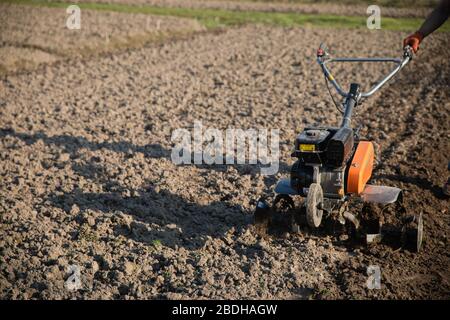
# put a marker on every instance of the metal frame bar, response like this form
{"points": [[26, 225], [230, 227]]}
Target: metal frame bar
{"points": [[400, 64]]}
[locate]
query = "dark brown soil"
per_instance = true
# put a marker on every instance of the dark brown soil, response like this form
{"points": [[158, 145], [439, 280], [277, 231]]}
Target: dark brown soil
{"points": [[86, 175]]}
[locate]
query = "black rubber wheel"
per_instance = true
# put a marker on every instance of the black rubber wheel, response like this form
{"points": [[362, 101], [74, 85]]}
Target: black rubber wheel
{"points": [[412, 233], [314, 201]]}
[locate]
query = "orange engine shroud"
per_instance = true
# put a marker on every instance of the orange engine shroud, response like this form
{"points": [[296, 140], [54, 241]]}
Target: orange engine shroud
{"points": [[360, 168]]}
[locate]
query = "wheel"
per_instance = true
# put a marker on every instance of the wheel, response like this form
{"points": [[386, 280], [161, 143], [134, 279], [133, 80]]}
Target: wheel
{"points": [[412, 233], [314, 202]]}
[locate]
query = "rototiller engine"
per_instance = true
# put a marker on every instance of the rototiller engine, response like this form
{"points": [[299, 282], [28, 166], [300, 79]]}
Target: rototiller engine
{"points": [[332, 167]]}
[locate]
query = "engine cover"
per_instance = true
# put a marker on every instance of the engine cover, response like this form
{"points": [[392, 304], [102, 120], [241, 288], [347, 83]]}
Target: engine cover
{"points": [[311, 144]]}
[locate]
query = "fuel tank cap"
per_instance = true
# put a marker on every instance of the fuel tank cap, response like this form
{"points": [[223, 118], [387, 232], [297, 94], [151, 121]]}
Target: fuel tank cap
{"points": [[313, 133]]}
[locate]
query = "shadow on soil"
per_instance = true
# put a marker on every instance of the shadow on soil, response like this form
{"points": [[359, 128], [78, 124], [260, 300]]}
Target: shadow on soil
{"points": [[422, 183], [72, 145], [157, 216]]}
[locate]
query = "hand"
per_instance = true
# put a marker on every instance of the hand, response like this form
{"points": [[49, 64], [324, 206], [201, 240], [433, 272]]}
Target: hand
{"points": [[414, 41]]}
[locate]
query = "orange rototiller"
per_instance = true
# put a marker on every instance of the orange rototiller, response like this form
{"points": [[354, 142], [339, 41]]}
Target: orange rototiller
{"points": [[334, 166]]}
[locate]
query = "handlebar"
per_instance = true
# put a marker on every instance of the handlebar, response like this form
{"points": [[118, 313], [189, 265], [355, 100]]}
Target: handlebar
{"points": [[323, 58]]}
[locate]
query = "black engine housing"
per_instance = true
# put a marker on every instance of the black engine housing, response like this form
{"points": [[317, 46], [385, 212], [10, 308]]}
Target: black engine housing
{"points": [[340, 146], [324, 146], [329, 148]]}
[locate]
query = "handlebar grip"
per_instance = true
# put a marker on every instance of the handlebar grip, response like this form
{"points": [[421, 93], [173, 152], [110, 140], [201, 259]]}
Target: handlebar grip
{"points": [[322, 51], [408, 52]]}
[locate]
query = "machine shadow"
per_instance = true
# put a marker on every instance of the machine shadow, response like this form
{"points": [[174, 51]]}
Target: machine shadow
{"points": [[143, 214], [72, 144], [153, 217], [157, 217]]}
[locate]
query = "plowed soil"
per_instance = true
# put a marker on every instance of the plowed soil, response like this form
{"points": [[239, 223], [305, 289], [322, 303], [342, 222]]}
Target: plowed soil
{"points": [[87, 178], [333, 7], [30, 36]]}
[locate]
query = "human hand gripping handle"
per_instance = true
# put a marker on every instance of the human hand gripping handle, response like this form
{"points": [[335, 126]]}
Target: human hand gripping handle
{"points": [[413, 41], [434, 20]]}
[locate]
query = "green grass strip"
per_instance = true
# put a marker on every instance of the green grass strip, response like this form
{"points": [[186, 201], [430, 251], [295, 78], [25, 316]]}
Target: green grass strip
{"points": [[215, 18]]}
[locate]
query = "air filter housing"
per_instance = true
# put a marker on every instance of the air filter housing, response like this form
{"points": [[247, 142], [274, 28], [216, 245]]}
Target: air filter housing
{"points": [[340, 147]]}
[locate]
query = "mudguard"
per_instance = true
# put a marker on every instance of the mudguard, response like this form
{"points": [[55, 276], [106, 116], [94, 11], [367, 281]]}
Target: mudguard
{"points": [[380, 194], [361, 167]]}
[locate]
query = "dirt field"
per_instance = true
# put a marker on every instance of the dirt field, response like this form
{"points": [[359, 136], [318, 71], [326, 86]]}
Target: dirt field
{"points": [[87, 178], [30, 36], [334, 7]]}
